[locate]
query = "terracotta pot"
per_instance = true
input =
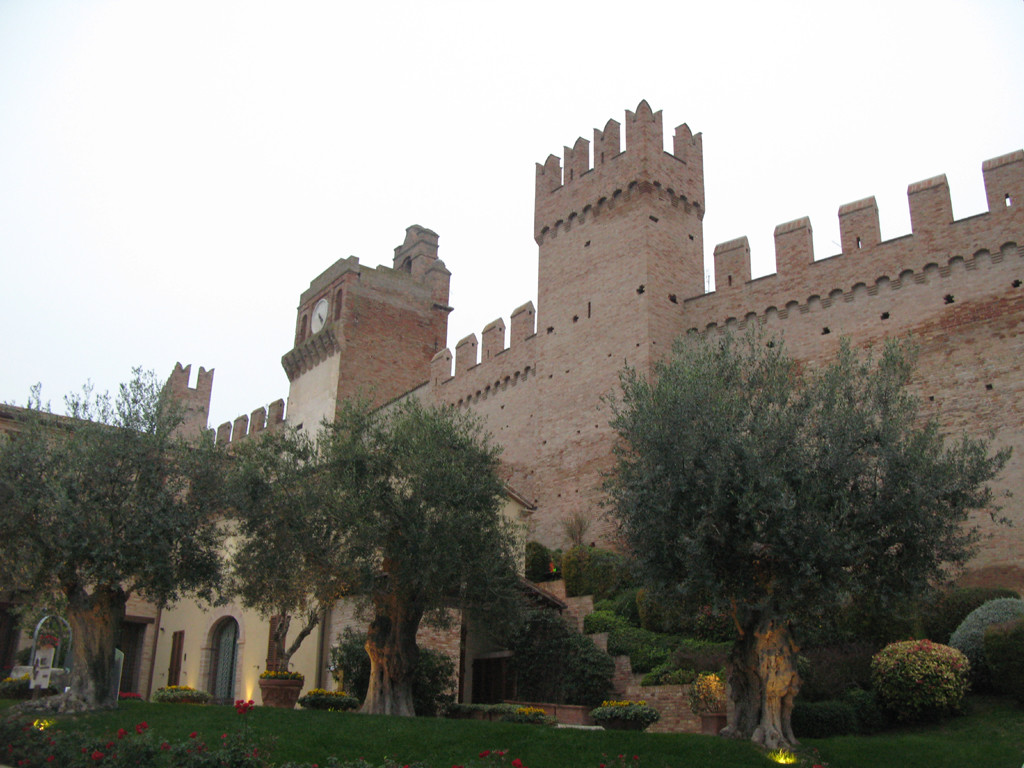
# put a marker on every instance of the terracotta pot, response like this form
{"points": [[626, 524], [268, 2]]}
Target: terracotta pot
{"points": [[281, 693], [711, 723]]}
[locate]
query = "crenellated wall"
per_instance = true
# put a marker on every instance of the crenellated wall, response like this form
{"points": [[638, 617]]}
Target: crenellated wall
{"points": [[620, 276]]}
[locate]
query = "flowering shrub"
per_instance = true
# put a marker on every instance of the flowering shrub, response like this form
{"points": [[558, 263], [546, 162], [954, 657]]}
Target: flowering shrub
{"points": [[707, 694], [335, 701], [180, 694], [35, 745], [14, 687], [920, 680], [283, 674], [532, 715], [628, 711]]}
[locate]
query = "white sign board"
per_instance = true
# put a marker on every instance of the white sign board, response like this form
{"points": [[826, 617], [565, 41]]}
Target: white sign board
{"points": [[42, 667]]}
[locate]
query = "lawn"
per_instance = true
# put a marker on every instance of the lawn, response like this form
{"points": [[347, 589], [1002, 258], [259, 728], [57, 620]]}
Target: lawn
{"points": [[991, 735]]}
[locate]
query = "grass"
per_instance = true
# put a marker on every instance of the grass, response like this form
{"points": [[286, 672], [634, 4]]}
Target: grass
{"points": [[991, 735]]}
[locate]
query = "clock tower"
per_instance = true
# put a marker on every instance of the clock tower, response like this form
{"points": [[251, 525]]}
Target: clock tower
{"points": [[368, 332]]}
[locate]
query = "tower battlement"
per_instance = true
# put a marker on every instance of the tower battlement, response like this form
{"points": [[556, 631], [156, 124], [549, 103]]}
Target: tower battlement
{"points": [[195, 401], [574, 190], [261, 420]]}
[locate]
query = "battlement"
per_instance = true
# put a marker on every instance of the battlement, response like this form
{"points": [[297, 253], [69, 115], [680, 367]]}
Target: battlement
{"points": [[864, 255], [578, 189], [261, 420], [195, 401], [497, 360]]}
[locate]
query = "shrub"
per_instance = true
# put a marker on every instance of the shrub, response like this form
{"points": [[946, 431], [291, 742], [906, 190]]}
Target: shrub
{"points": [[870, 717], [828, 672], [822, 719], [603, 621], [1004, 652], [658, 612], [180, 694], [707, 693], [627, 711], [530, 715], [593, 571], [969, 637], [15, 687], [554, 663], [625, 605], [700, 655], [948, 609], [540, 562], [918, 680], [712, 625], [668, 674], [333, 701], [432, 683]]}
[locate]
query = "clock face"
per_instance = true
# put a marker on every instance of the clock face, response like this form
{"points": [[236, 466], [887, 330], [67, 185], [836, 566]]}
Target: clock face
{"points": [[319, 316]]}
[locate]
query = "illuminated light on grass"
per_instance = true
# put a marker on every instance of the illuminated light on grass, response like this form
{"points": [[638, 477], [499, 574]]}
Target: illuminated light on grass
{"points": [[782, 756], [42, 725]]}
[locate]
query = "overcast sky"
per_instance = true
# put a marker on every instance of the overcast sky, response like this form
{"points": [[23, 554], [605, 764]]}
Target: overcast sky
{"points": [[174, 174]]}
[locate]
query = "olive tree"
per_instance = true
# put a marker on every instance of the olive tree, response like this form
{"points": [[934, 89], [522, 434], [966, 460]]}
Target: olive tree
{"points": [[103, 503], [399, 507], [782, 490]]}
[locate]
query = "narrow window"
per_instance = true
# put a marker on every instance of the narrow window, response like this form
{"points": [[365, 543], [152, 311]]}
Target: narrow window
{"points": [[337, 305], [858, 243], [1007, 200]]}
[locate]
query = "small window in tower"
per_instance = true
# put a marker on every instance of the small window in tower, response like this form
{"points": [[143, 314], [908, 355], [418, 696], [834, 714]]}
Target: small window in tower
{"points": [[730, 279], [551, 329], [858, 243], [586, 244], [826, 331], [1016, 283], [653, 218], [575, 318], [337, 305], [948, 298], [640, 290], [302, 329], [885, 315], [988, 387], [1007, 200], [588, 309], [672, 297]]}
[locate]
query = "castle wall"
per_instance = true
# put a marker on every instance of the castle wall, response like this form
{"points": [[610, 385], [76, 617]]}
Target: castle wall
{"points": [[620, 252]]}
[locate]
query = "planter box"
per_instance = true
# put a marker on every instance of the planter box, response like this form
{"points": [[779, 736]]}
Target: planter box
{"points": [[280, 693]]}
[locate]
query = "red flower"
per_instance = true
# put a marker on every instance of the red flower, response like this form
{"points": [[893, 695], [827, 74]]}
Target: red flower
{"points": [[165, 746], [485, 753], [97, 755], [121, 733], [517, 763], [192, 735]]}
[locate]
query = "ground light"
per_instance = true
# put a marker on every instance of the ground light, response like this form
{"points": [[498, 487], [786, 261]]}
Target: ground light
{"points": [[782, 756]]}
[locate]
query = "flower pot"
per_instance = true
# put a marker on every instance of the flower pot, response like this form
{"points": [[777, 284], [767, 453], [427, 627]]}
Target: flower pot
{"points": [[622, 724], [281, 693], [711, 723]]}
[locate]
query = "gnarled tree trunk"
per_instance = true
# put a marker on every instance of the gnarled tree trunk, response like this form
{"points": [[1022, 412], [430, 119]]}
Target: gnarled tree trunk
{"points": [[764, 684], [391, 646], [95, 620]]}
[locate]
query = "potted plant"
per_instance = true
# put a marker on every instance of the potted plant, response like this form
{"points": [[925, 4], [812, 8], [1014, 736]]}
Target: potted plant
{"points": [[707, 701], [280, 688], [625, 715]]}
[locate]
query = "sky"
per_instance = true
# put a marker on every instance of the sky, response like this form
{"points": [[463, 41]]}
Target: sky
{"points": [[174, 174]]}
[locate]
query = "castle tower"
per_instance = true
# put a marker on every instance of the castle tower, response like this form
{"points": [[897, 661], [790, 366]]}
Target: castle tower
{"points": [[621, 247], [621, 242], [369, 332], [194, 401]]}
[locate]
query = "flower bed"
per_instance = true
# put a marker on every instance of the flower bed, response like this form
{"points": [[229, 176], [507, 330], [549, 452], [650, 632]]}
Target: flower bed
{"points": [[180, 694]]}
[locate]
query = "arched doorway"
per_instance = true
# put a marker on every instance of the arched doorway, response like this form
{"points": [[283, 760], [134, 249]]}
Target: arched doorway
{"points": [[223, 653]]}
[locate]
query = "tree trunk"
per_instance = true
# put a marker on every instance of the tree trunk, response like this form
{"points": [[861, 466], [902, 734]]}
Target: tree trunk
{"points": [[95, 621], [764, 684], [391, 646]]}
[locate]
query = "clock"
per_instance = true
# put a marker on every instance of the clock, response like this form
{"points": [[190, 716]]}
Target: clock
{"points": [[319, 316]]}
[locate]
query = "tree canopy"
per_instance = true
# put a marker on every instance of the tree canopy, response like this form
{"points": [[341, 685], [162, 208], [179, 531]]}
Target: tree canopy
{"points": [[104, 503], [778, 491], [400, 507]]}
